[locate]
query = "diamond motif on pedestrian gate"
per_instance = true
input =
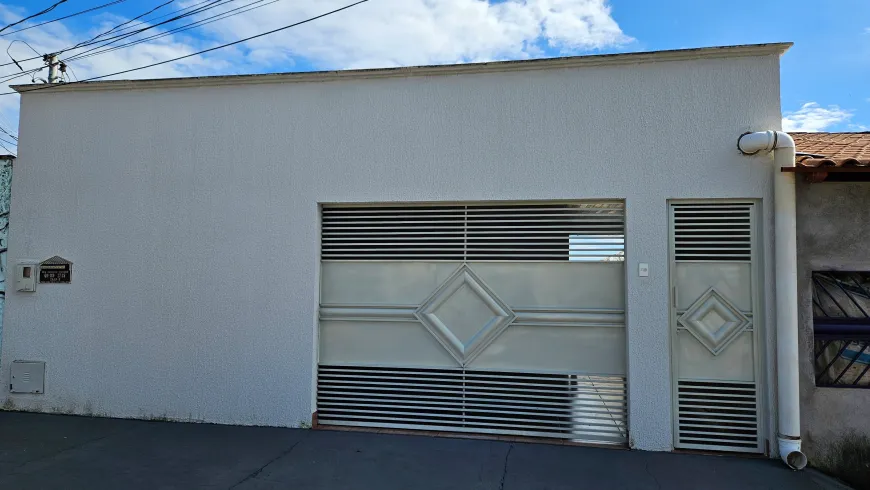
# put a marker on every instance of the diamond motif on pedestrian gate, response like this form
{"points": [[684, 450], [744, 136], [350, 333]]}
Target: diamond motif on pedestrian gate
{"points": [[714, 321], [464, 315]]}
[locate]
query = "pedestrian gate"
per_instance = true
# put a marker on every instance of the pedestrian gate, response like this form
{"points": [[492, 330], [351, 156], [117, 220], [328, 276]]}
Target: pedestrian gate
{"points": [[716, 326]]}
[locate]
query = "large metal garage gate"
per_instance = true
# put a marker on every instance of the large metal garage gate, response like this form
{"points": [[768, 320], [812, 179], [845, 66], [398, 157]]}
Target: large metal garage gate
{"points": [[487, 318]]}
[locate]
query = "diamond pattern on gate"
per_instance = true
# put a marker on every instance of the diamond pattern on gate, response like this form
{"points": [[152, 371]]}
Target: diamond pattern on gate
{"points": [[714, 321], [464, 315]]}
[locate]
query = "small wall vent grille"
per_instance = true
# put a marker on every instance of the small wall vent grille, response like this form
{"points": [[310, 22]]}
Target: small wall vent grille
{"points": [[567, 406], [713, 232], [718, 416], [482, 232]]}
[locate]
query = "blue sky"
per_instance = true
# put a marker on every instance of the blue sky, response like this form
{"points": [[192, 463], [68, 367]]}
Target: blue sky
{"points": [[828, 64], [822, 88]]}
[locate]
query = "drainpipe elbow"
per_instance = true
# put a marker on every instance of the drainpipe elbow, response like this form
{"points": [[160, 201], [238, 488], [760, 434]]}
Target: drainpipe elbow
{"points": [[752, 143], [790, 452]]}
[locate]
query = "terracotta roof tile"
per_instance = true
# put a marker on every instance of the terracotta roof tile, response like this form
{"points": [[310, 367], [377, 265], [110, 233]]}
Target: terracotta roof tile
{"points": [[832, 149]]}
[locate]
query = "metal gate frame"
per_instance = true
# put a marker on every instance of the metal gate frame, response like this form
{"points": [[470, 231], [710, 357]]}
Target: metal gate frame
{"points": [[760, 344], [319, 280]]}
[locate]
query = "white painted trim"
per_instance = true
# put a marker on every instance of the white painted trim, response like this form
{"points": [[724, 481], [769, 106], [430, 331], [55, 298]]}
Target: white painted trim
{"points": [[537, 316], [315, 339], [420, 71]]}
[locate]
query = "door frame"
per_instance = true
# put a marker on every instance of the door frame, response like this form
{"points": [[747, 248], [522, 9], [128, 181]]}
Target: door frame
{"points": [[760, 344]]}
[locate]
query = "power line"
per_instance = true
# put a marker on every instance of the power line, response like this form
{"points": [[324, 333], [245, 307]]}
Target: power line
{"points": [[9, 133], [25, 43], [5, 121], [310, 19], [25, 59], [122, 24], [64, 17], [13, 59], [114, 39], [49, 9], [145, 21], [7, 142], [214, 3], [201, 22], [21, 74], [123, 35], [73, 72]]}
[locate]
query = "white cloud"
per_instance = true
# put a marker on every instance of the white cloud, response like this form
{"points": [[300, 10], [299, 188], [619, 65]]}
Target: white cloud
{"points": [[384, 33], [812, 117], [379, 33]]}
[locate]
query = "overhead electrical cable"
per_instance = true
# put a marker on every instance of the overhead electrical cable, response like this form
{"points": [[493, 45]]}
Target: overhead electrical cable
{"points": [[64, 17], [211, 4], [113, 39], [7, 78], [163, 16], [215, 48], [122, 24], [192, 25], [26, 44], [49, 9], [8, 133]]}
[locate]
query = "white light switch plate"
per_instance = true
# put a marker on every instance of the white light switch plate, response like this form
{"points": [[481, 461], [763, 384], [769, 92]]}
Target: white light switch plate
{"points": [[643, 270]]}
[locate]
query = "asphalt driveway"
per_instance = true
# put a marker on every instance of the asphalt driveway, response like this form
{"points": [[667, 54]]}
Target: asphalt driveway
{"points": [[55, 451]]}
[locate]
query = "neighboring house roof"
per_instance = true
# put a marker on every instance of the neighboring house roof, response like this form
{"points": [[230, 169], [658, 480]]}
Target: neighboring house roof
{"points": [[832, 149]]}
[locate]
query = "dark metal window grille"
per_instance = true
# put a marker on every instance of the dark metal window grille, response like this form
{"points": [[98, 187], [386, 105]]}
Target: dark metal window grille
{"points": [[841, 328]]}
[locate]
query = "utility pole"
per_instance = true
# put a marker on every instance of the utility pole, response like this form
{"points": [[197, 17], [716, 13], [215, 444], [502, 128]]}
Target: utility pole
{"points": [[53, 65]]}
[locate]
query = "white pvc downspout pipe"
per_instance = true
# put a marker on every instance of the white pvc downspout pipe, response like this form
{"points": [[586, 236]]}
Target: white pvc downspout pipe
{"points": [[785, 230]]}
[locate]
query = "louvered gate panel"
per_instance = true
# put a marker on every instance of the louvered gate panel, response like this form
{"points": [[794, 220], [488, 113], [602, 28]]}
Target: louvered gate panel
{"points": [[713, 232], [715, 331], [718, 415], [504, 318], [478, 232], [578, 407]]}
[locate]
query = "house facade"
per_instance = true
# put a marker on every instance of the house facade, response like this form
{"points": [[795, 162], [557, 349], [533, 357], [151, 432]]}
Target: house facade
{"points": [[571, 248], [833, 195]]}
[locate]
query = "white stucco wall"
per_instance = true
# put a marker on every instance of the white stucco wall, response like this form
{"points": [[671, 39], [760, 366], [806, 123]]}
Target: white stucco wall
{"points": [[191, 214]]}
